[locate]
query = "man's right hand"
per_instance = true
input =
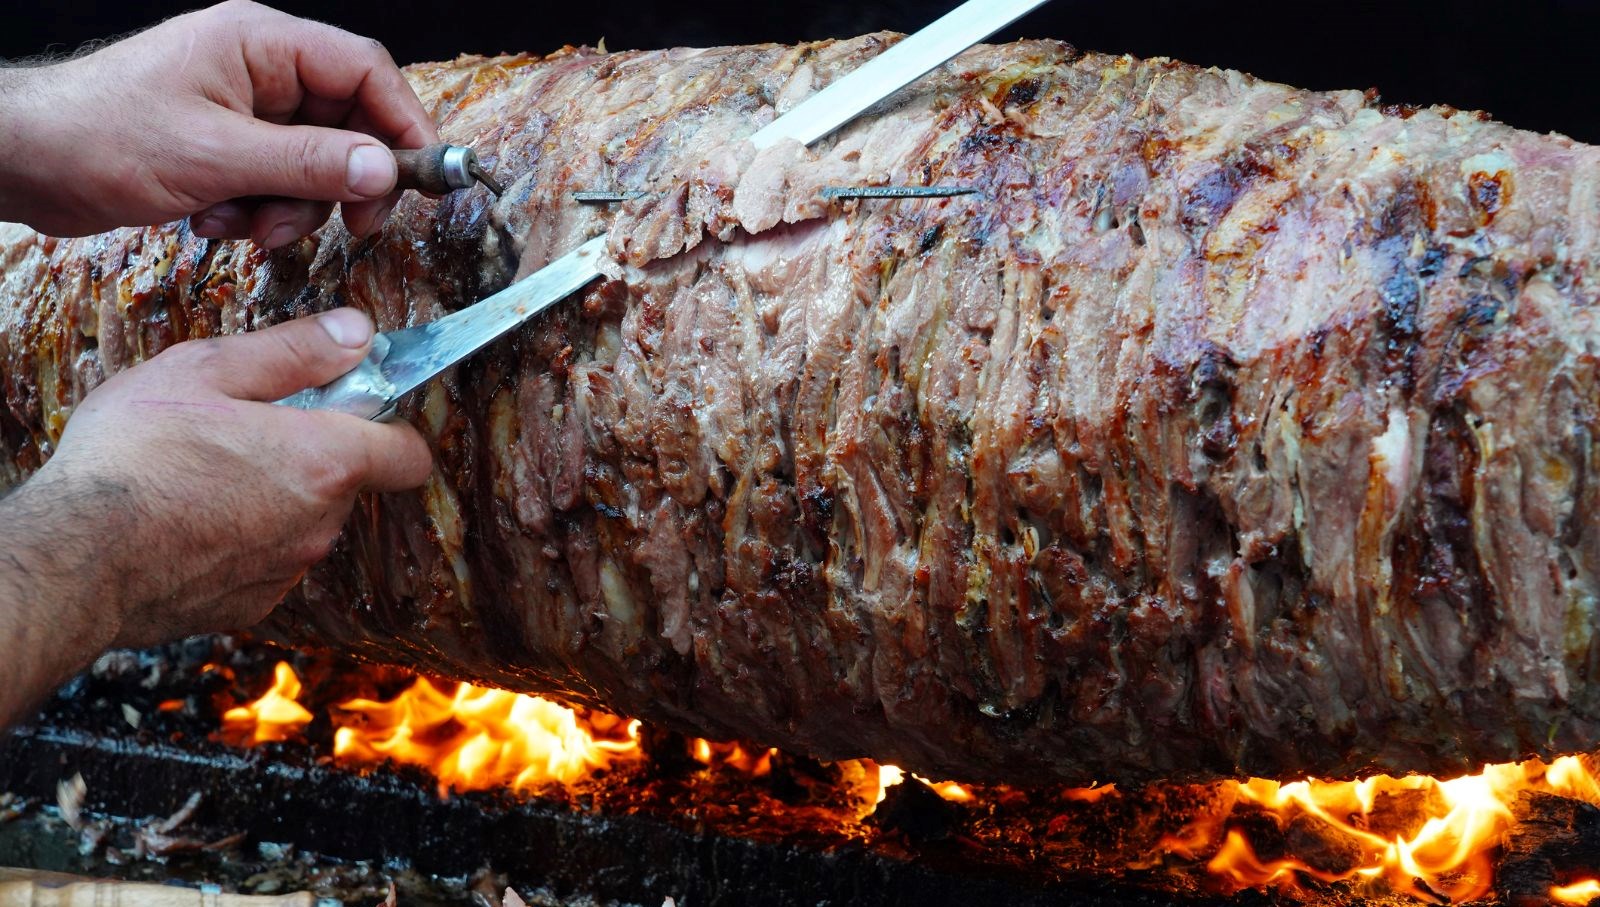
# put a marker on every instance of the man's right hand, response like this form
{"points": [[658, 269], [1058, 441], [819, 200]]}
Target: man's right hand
{"points": [[206, 501], [248, 121]]}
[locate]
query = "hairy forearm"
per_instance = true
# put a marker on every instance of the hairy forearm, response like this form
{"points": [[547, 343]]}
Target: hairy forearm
{"points": [[18, 94], [11, 125], [59, 595]]}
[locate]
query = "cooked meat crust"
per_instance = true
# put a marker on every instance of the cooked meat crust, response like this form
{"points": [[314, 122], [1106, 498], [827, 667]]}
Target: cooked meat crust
{"points": [[1229, 428]]}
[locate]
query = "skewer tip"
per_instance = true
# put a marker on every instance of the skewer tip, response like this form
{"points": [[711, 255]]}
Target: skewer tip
{"points": [[483, 176]]}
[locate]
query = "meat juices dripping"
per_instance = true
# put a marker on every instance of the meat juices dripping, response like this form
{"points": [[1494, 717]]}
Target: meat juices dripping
{"points": [[1280, 469]]}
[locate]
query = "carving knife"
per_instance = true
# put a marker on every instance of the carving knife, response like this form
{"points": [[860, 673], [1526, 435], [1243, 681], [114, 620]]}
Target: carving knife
{"points": [[403, 360]]}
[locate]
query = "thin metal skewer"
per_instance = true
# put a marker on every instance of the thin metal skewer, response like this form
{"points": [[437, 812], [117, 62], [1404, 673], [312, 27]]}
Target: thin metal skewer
{"points": [[601, 197], [838, 192]]}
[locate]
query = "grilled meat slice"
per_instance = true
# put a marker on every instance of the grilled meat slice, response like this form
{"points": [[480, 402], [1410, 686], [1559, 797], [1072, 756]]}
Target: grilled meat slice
{"points": [[1228, 428]]}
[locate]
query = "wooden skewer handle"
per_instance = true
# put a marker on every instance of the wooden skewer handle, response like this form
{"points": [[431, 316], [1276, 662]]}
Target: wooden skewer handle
{"points": [[91, 893], [439, 169]]}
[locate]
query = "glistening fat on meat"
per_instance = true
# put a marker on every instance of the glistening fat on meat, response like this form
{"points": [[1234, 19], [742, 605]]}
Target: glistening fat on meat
{"points": [[1229, 428]]}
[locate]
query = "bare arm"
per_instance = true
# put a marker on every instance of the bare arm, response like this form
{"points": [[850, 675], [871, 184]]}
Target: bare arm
{"points": [[180, 502], [50, 575]]}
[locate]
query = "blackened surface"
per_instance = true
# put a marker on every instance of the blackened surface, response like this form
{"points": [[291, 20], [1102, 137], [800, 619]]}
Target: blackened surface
{"points": [[387, 817], [1553, 843], [637, 836]]}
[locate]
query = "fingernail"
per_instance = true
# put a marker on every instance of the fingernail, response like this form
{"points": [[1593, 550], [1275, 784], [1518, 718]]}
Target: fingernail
{"points": [[379, 218], [208, 227], [280, 235], [370, 171], [348, 327]]}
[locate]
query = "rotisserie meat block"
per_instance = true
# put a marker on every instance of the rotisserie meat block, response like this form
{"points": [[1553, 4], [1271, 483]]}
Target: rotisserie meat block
{"points": [[1228, 428]]}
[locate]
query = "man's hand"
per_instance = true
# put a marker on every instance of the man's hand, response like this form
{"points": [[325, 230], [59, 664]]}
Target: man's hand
{"points": [[248, 121], [180, 502]]}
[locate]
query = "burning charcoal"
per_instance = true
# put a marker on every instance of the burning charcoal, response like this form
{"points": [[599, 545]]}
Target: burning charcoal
{"points": [[1322, 846], [1554, 839], [667, 752], [1138, 827], [1401, 812], [913, 809], [798, 780], [156, 673], [1262, 828], [190, 656]]}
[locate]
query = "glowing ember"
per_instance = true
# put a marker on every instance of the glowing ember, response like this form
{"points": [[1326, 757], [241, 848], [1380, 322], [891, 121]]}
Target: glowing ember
{"points": [[1089, 794], [1435, 840], [1577, 894], [754, 762], [275, 716], [1421, 836], [757, 763], [948, 790], [890, 775]]}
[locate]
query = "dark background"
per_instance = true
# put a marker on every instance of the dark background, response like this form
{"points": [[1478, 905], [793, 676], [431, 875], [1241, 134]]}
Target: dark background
{"points": [[1530, 63]]}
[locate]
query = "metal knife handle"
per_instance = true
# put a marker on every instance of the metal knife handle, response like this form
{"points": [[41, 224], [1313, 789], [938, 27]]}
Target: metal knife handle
{"points": [[363, 391]]}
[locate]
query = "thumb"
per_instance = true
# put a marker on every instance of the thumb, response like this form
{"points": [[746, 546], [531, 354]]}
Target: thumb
{"points": [[309, 162], [307, 352]]}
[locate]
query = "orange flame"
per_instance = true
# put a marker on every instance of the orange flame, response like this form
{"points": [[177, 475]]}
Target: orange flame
{"points": [[475, 738], [275, 716], [1425, 837], [890, 775], [758, 762], [470, 737], [714, 755], [1578, 894], [1445, 852]]}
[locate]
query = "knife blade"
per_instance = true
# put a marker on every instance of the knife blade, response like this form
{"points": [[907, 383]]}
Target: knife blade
{"points": [[875, 80], [401, 361]]}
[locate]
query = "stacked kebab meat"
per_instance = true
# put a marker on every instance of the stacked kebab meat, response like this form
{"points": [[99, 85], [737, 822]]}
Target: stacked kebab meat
{"points": [[1226, 428]]}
